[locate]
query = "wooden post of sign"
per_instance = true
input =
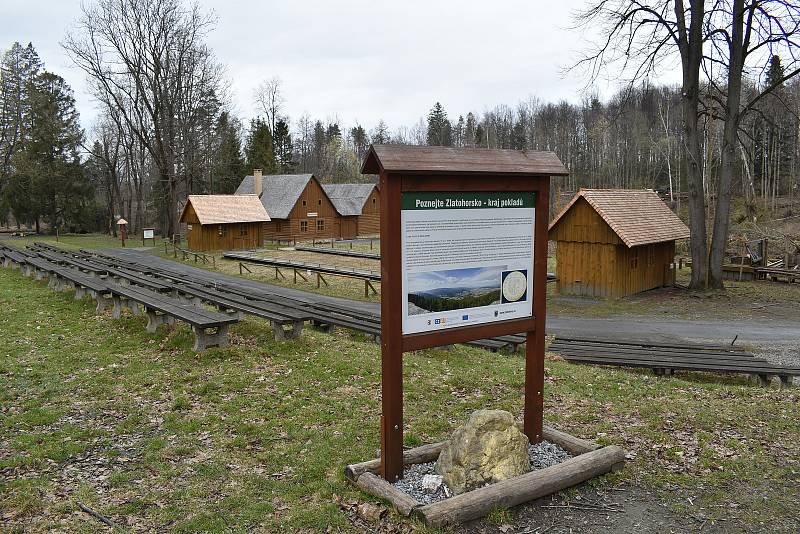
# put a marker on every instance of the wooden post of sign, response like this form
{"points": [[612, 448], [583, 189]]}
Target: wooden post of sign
{"points": [[391, 334], [534, 341]]}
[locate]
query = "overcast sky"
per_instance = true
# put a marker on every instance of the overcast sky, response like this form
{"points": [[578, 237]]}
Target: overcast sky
{"points": [[357, 60]]}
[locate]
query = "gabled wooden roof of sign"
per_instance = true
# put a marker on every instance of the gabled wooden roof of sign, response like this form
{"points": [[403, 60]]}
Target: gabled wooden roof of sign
{"points": [[637, 216], [448, 160], [226, 209]]}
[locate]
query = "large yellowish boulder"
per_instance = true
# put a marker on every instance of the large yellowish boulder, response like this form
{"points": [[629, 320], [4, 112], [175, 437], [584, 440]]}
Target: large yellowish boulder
{"points": [[487, 449]]}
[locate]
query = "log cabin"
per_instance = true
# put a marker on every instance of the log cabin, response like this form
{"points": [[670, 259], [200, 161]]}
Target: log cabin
{"points": [[615, 242], [358, 206], [297, 206], [302, 209], [223, 222]]}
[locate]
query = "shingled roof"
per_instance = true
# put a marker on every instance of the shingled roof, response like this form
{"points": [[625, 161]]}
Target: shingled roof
{"points": [[279, 191], [637, 216], [449, 160], [348, 199], [224, 209]]}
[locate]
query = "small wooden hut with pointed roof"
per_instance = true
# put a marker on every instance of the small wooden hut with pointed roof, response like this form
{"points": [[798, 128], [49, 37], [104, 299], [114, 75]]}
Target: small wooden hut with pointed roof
{"points": [[223, 222], [615, 242]]}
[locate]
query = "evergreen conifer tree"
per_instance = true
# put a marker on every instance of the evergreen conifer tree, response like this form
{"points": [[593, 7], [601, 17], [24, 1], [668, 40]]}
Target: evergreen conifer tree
{"points": [[258, 149], [439, 129], [284, 148]]}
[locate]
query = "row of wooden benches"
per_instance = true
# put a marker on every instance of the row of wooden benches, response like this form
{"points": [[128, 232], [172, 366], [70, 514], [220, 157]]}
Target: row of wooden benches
{"points": [[117, 291], [252, 300]]}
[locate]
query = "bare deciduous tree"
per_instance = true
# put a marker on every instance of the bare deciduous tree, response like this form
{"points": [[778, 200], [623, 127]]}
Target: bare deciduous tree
{"points": [[639, 36], [147, 62], [269, 97]]}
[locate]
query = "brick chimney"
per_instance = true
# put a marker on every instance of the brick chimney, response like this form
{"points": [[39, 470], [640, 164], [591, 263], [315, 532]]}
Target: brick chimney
{"points": [[258, 186]]}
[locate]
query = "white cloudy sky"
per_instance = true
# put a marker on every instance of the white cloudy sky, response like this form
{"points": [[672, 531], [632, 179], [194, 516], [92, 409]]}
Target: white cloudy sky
{"points": [[359, 60]]}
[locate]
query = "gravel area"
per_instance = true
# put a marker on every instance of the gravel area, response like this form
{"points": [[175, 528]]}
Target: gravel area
{"points": [[542, 455], [546, 454]]}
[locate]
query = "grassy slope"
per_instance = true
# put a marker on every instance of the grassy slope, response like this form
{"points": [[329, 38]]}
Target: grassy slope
{"points": [[254, 437]]}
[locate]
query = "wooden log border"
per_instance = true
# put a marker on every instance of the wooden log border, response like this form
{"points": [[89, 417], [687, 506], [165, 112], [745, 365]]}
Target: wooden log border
{"points": [[589, 460]]}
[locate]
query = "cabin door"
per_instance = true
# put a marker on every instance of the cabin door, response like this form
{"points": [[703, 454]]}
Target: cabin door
{"points": [[348, 228]]}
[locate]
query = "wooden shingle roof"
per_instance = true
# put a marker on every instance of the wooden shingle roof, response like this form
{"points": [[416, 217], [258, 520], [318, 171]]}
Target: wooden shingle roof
{"points": [[225, 209], [637, 216], [449, 160]]}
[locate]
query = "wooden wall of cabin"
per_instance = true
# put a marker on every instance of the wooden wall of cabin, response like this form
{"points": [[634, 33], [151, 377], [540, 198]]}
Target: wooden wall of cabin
{"points": [[588, 269], [645, 267], [611, 271], [348, 227], [582, 224], [369, 222], [232, 236]]}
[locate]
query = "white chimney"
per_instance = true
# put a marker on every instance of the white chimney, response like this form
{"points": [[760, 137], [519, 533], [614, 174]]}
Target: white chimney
{"points": [[257, 182]]}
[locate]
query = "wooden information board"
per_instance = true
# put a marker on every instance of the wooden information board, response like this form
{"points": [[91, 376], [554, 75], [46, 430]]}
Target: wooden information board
{"points": [[463, 257]]}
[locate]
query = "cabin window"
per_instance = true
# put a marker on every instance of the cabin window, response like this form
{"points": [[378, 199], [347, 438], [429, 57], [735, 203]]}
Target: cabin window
{"points": [[243, 230], [320, 225], [304, 226], [304, 203], [319, 202], [277, 227], [222, 230], [651, 255], [634, 258], [373, 201]]}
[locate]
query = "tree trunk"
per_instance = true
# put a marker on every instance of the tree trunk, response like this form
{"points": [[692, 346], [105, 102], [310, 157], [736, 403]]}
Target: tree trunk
{"points": [[719, 238], [692, 53]]}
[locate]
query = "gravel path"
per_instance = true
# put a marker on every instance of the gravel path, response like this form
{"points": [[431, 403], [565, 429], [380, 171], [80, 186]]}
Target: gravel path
{"points": [[542, 455]]}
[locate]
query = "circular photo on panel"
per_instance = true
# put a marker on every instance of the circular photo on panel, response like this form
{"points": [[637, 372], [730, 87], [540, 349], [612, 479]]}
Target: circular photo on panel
{"points": [[515, 285]]}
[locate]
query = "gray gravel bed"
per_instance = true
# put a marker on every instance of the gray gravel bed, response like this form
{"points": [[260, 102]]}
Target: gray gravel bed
{"points": [[542, 455]]}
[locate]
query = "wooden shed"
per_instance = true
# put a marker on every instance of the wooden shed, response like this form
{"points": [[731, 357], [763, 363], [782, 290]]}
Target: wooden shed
{"points": [[358, 206], [297, 206], [223, 222], [615, 242]]}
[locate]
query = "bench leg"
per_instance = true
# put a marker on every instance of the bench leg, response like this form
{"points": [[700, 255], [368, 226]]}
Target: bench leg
{"points": [[154, 320], [134, 307], [79, 293], [786, 381], [116, 313], [203, 339], [278, 331], [297, 328], [37, 274], [103, 303], [763, 380]]}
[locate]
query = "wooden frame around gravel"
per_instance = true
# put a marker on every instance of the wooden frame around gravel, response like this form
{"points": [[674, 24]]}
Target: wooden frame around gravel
{"points": [[589, 460]]}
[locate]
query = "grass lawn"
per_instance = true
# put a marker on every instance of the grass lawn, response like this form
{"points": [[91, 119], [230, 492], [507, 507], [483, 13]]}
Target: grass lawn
{"points": [[73, 241], [253, 438]]}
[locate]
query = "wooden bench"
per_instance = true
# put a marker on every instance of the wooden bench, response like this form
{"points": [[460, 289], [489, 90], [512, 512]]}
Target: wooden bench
{"points": [[666, 359], [81, 265], [278, 316], [13, 259], [210, 328]]}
